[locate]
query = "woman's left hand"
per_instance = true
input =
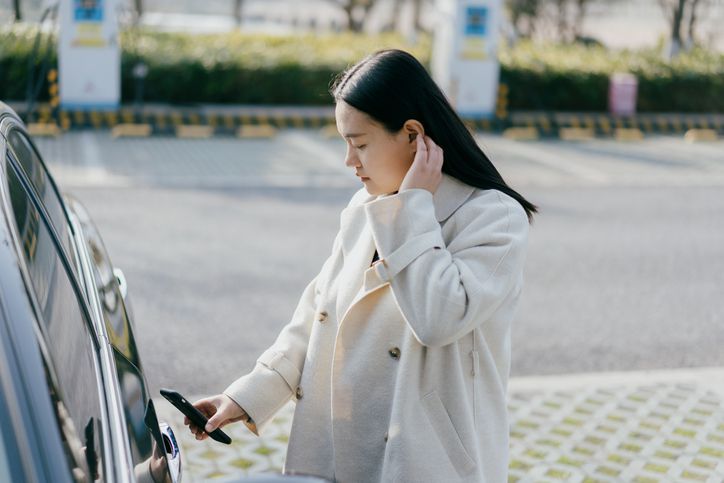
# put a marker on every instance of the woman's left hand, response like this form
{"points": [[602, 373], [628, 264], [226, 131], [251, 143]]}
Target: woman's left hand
{"points": [[426, 169]]}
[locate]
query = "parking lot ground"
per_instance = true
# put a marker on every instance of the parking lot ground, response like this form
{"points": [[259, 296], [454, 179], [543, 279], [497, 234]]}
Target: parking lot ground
{"points": [[624, 272], [647, 426], [303, 157]]}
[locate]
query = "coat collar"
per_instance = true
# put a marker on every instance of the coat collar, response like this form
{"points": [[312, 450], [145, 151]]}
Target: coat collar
{"points": [[449, 195], [358, 246]]}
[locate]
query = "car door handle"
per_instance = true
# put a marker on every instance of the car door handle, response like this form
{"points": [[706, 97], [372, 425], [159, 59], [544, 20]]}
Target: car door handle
{"points": [[122, 285]]}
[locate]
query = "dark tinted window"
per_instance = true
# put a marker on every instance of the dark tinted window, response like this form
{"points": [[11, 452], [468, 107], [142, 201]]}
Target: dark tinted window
{"points": [[74, 384], [134, 404], [35, 171]]}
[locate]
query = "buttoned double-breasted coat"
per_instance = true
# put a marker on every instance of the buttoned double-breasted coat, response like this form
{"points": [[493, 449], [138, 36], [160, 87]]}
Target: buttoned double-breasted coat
{"points": [[399, 369]]}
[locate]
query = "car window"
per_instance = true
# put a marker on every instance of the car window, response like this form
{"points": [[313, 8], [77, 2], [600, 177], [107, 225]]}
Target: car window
{"points": [[4, 459], [115, 313], [66, 330], [36, 172]]}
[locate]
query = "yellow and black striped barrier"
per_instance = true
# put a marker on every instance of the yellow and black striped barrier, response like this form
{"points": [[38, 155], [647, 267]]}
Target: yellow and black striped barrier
{"points": [[264, 122], [167, 119], [620, 127]]}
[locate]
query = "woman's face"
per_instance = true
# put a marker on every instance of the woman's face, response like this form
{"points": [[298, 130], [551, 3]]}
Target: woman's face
{"points": [[381, 159]]}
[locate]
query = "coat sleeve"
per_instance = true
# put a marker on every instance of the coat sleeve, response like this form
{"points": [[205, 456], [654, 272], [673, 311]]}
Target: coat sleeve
{"points": [[444, 292], [277, 372]]}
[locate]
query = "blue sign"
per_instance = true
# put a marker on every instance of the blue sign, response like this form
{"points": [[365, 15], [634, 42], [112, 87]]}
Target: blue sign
{"points": [[476, 19], [88, 10]]}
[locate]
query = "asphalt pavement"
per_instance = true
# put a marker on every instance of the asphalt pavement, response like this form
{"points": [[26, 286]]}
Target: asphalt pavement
{"points": [[219, 236], [625, 266]]}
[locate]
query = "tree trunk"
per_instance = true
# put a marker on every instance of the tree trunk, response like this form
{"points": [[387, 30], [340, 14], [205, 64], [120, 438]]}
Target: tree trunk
{"points": [[677, 21], [237, 11], [675, 13], [524, 11], [690, 31], [562, 21], [348, 10], [581, 5], [391, 24], [18, 12], [350, 7], [416, 8]]}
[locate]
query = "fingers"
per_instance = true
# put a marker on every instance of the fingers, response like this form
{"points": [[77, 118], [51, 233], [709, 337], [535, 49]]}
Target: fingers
{"points": [[435, 154], [216, 421], [229, 411], [421, 145], [209, 408], [420, 151], [220, 411], [428, 151], [426, 169], [198, 432]]}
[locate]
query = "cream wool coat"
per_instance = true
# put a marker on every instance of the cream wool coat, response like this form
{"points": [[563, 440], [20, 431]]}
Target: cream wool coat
{"points": [[399, 370]]}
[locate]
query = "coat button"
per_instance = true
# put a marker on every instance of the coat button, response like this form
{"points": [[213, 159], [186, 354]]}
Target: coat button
{"points": [[395, 353], [322, 316], [387, 436], [299, 392]]}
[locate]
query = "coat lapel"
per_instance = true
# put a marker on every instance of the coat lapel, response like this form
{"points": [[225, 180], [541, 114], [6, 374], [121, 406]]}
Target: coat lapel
{"points": [[356, 280]]}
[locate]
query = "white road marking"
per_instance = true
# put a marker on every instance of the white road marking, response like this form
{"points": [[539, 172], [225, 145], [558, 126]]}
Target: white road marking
{"points": [[317, 149], [537, 153]]}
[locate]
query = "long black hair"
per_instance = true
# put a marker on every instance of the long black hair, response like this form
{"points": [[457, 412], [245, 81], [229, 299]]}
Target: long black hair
{"points": [[392, 86]]}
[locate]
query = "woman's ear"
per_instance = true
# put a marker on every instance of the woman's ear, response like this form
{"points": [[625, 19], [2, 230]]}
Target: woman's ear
{"points": [[413, 128]]}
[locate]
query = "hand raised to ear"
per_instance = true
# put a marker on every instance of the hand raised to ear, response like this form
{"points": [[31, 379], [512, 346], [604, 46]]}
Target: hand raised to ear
{"points": [[426, 169]]}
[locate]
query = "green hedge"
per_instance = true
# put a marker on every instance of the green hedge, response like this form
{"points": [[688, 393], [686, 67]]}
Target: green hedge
{"points": [[228, 68], [575, 77], [265, 69]]}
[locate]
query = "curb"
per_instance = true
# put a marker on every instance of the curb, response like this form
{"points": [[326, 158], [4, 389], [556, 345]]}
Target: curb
{"points": [[207, 121], [709, 377]]}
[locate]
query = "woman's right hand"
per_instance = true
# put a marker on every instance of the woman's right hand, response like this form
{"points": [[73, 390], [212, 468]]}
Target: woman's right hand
{"points": [[220, 409]]}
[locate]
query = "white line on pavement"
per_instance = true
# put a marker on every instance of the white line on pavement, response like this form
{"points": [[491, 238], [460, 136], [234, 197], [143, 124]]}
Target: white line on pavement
{"points": [[318, 149], [537, 153], [93, 172]]}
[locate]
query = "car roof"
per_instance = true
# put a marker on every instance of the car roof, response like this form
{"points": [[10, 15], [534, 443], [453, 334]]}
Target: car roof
{"points": [[7, 111], [9, 246]]}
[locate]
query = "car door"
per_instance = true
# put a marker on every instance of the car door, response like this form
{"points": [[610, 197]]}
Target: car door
{"points": [[65, 333], [146, 436], [106, 290], [122, 381]]}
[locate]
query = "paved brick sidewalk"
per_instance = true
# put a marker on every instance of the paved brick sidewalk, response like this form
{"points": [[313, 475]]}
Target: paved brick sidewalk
{"points": [[652, 426]]}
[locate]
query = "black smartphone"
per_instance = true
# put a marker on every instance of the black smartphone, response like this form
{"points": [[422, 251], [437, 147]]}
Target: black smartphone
{"points": [[194, 414]]}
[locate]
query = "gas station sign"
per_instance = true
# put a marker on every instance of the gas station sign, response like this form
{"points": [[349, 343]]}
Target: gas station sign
{"points": [[89, 59], [464, 58]]}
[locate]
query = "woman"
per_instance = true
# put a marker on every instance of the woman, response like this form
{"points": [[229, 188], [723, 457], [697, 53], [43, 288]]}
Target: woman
{"points": [[398, 352]]}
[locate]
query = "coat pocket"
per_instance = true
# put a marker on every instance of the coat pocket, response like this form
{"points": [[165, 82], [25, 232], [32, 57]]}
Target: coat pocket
{"points": [[447, 434]]}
